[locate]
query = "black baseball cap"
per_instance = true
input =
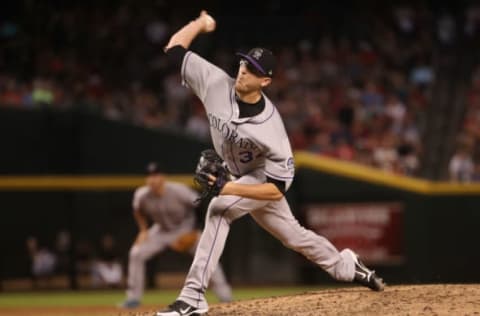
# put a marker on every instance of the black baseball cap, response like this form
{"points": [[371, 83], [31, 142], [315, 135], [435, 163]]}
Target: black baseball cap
{"points": [[260, 61], [153, 168]]}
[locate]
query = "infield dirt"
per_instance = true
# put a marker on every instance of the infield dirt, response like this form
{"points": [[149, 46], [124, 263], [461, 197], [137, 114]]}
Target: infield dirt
{"points": [[444, 299]]}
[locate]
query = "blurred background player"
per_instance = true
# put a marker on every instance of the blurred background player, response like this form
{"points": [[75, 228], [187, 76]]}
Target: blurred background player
{"points": [[170, 206]]}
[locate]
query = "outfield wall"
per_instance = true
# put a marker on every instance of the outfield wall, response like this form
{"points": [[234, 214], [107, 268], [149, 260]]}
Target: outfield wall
{"points": [[66, 170], [45, 141], [439, 232]]}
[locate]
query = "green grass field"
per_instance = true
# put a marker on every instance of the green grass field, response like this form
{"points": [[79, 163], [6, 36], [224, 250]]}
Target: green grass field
{"points": [[112, 297]]}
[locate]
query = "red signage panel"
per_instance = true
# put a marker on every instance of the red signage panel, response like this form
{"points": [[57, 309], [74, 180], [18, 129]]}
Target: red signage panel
{"points": [[373, 230]]}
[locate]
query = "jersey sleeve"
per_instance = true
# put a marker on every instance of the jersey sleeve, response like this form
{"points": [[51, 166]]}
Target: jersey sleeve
{"points": [[138, 198], [279, 164], [200, 75]]}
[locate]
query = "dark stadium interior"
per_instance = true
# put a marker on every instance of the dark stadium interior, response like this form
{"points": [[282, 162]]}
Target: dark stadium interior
{"points": [[85, 88]]}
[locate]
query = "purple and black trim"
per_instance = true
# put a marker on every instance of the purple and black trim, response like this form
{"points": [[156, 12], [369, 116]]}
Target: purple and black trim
{"points": [[254, 63]]}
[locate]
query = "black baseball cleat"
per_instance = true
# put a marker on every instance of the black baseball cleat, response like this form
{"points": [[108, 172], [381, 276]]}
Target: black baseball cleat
{"points": [[367, 277], [180, 308]]}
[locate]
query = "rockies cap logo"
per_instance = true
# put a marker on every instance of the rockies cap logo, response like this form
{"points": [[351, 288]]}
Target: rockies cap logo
{"points": [[257, 54]]}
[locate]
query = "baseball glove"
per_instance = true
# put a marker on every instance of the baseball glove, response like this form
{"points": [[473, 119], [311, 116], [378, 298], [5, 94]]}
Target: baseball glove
{"points": [[210, 163]]}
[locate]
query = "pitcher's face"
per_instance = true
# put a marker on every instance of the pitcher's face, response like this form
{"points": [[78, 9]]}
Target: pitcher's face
{"points": [[249, 79]]}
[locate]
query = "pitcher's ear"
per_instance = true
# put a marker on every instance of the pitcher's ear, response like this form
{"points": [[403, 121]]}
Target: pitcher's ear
{"points": [[266, 81]]}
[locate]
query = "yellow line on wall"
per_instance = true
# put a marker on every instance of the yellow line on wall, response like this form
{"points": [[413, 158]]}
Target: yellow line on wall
{"points": [[379, 177], [302, 160], [90, 182]]}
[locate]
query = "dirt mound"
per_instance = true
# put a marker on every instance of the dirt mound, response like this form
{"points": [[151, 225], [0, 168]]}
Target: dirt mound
{"points": [[459, 299], [395, 300]]}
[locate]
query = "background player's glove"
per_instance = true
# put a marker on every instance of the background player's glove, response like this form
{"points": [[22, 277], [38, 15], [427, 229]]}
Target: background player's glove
{"points": [[186, 241], [210, 163]]}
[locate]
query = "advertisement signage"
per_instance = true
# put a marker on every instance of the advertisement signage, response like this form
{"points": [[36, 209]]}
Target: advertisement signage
{"points": [[373, 230]]}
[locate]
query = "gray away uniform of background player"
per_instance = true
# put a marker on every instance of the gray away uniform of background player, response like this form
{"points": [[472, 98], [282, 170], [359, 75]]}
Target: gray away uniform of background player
{"points": [[173, 216], [253, 148]]}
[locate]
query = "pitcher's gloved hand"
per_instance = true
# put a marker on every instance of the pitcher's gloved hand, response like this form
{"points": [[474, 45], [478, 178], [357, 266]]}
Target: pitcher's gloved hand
{"points": [[211, 174]]}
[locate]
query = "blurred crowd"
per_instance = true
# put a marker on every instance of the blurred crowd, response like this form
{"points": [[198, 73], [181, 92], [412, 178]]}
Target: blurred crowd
{"points": [[464, 165], [100, 263], [359, 93]]}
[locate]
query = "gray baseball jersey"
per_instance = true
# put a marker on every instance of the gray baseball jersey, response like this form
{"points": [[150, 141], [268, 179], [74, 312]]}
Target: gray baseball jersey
{"points": [[171, 210], [254, 148], [246, 144]]}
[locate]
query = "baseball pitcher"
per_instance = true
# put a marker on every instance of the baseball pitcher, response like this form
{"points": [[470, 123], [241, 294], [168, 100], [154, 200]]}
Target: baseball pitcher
{"points": [[249, 136], [170, 207]]}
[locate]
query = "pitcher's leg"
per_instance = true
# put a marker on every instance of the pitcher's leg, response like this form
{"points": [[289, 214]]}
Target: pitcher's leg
{"points": [[222, 211], [278, 219], [208, 252], [218, 281]]}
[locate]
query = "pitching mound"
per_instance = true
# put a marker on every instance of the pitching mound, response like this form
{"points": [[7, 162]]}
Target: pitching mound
{"points": [[395, 300]]}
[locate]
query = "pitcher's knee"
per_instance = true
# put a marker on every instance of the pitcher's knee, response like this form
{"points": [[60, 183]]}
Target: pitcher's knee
{"points": [[220, 206]]}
